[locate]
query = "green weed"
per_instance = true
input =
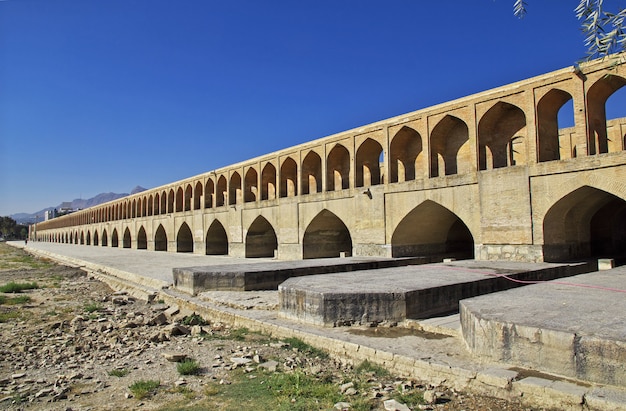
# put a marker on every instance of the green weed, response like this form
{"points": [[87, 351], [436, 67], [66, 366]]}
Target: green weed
{"points": [[143, 388], [188, 367], [14, 287]]}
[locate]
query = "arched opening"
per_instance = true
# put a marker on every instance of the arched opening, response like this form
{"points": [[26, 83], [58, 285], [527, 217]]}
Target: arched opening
{"points": [[197, 196], [250, 185], [142, 239], [126, 243], [234, 189], [449, 146], [311, 173], [289, 178], [585, 223], [216, 239], [338, 169], [105, 239], [114, 239], [157, 202], [170, 201], [549, 115], [160, 239], [261, 239], [368, 163], [597, 96], [96, 239], [501, 137], [326, 237], [151, 204], [180, 201], [268, 182], [220, 193], [164, 203], [209, 194], [184, 239], [432, 230], [188, 197], [404, 157], [88, 241]]}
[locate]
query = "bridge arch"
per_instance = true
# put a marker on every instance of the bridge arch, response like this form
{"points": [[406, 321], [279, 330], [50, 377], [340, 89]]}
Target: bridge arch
{"points": [[368, 163], [250, 185], [431, 229], [188, 198], [184, 239], [127, 241], [449, 145], [179, 200], [197, 196], [268, 182], [326, 236], [220, 194], [216, 242], [160, 239], [88, 238], [114, 238], [234, 189], [311, 173], [598, 94], [105, 238], [338, 169], [587, 222], [548, 144], [209, 193], [405, 156], [261, 239], [170, 201], [501, 137], [142, 239], [96, 238], [289, 178]]}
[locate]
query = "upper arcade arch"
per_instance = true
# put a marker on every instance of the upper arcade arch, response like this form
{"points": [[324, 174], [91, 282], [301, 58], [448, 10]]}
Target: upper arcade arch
{"points": [[501, 137], [289, 178], [548, 143], [368, 163], [404, 156], [338, 169], [449, 145], [597, 96], [311, 173]]}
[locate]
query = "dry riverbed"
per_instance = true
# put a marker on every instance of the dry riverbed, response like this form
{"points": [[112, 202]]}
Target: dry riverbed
{"points": [[69, 342]]}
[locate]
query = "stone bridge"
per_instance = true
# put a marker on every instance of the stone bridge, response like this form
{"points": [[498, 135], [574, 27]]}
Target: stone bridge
{"points": [[490, 176]]}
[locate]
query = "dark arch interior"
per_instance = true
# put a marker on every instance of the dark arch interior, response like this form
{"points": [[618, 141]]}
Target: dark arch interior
{"points": [[160, 239], [432, 230], [142, 239], [261, 239], [216, 240], [586, 223], [184, 240], [326, 236]]}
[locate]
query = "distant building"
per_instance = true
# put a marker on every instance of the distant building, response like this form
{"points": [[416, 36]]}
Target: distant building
{"points": [[49, 214]]}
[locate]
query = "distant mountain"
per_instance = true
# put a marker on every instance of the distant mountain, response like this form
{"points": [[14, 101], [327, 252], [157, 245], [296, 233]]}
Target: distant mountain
{"points": [[76, 204]]}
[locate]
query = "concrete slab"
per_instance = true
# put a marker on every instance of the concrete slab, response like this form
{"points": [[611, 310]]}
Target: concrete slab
{"points": [[268, 275], [573, 327], [411, 292]]}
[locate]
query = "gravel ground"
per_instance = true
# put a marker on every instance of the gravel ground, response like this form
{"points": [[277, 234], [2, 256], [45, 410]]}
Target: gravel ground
{"points": [[59, 349]]}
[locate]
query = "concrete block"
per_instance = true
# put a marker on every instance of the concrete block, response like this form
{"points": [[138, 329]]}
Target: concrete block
{"points": [[606, 264], [496, 377], [605, 398]]}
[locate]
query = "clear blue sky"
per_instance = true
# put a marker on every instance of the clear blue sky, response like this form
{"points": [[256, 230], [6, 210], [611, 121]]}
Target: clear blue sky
{"points": [[103, 95]]}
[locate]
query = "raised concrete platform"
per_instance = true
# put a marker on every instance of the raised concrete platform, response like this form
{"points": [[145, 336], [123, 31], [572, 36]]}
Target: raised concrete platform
{"points": [[574, 327], [411, 292], [268, 275]]}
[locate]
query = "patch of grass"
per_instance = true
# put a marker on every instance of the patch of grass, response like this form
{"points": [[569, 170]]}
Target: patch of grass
{"points": [[194, 319], [237, 334], [411, 399], [143, 388], [14, 287], [119, 372], [186, 392], [22, 299], [93, 307], [372, 369], [305, 348], [10, 315], [188, 367]]}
